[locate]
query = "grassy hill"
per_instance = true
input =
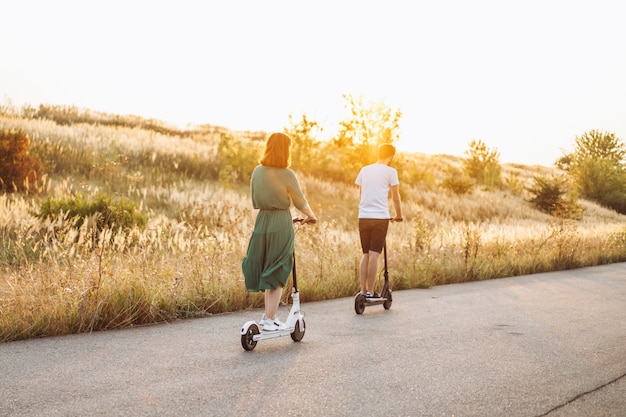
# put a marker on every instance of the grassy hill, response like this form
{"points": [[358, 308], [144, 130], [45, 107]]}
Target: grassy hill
{"points": [[67, 274]]}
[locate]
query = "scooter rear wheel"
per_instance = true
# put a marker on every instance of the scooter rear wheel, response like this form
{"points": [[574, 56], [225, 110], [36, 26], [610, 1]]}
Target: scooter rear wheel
{"points": [[298, 333], [359, 304], [246, 339]]}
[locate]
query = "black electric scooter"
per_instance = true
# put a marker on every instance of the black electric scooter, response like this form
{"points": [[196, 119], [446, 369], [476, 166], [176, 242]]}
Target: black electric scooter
{"points": [[361, 301]]}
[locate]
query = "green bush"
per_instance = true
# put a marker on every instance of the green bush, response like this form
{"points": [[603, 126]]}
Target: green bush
{"points": [[458, 183], [615, 200], [236, 159], [120, 213], [551, 196]]}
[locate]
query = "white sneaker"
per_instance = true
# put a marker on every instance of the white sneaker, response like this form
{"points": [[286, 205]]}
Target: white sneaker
{"points": [[272, 326], [269, 327], [280, 324]]}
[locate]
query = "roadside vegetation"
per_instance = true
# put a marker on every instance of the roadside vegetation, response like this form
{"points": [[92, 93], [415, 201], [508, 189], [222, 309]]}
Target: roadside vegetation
{"points": [[111, 221]]}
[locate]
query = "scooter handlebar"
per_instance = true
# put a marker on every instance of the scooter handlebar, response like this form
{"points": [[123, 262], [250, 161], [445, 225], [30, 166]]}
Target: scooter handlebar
{"points": [[303, 220]]}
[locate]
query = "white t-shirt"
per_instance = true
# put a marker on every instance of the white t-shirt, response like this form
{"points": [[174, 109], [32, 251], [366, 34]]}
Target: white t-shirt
{"points": [[375, 181]]}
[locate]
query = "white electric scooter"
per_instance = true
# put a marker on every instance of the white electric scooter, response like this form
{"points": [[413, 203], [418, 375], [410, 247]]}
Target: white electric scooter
{"points": [[251, 332]]}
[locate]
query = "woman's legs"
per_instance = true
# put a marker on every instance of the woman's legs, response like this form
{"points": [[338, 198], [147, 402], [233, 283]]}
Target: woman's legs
{"points": [[272, 301]]}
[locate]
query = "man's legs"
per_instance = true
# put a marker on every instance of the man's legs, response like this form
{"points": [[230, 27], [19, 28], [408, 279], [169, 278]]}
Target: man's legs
{"points": [[372, 270], [369, 269], [364, 268], [373, 233]]}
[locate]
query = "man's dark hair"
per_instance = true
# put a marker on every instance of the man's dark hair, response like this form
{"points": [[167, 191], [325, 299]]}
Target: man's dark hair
{"points": [[386, 150]]}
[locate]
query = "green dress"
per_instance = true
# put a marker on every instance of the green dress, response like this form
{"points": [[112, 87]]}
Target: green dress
{"points": [[269, 258]]}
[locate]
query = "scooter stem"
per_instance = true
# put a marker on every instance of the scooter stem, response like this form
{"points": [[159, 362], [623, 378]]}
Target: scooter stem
{"points": [[293, 274]]}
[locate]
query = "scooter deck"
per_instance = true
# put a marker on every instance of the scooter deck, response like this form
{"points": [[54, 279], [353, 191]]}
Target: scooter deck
{"points": [[271, 334], [375, 301]]}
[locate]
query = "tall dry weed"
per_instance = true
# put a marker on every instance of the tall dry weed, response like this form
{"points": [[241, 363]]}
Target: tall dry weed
{"points": [[58, 278]]}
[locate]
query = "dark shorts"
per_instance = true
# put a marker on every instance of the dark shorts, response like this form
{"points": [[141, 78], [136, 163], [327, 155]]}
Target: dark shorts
{"points": [[373, 233]]}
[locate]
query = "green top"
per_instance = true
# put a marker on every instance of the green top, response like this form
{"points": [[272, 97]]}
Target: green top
{"points": [[269, 258], [275, 189]]}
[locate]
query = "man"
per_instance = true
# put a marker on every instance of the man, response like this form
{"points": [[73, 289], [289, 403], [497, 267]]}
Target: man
{"points": [[375, 182]]}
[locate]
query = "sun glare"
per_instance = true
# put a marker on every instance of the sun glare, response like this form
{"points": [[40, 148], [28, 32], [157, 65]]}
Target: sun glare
{"points": [[457, 73]]}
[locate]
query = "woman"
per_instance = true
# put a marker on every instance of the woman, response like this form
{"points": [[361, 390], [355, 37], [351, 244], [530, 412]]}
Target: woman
{"points": [[269, 259]]}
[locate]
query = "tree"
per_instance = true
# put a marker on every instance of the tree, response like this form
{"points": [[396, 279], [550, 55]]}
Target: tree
{"points": [[564, 162], [367, 126], [305, 148], [482, 164], [370, 124], [597, 165], [17, 167]]}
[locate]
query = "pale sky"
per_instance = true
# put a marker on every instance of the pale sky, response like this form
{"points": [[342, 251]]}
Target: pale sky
{"points": [[525, 77]]}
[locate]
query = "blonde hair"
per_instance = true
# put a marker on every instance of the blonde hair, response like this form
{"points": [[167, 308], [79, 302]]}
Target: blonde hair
{"points": [[277, 151]]}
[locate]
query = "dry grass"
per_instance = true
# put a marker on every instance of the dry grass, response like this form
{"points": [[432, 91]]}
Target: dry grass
{"points": [[57, 279]]}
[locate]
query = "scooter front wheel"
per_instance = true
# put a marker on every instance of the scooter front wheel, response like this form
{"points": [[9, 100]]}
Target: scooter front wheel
{"points": [[359, 303], [247, 341], [298, 333], [387, 302]]}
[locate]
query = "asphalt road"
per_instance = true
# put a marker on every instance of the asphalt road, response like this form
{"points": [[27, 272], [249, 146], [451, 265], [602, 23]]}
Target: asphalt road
{"points": [[551, 344]]}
